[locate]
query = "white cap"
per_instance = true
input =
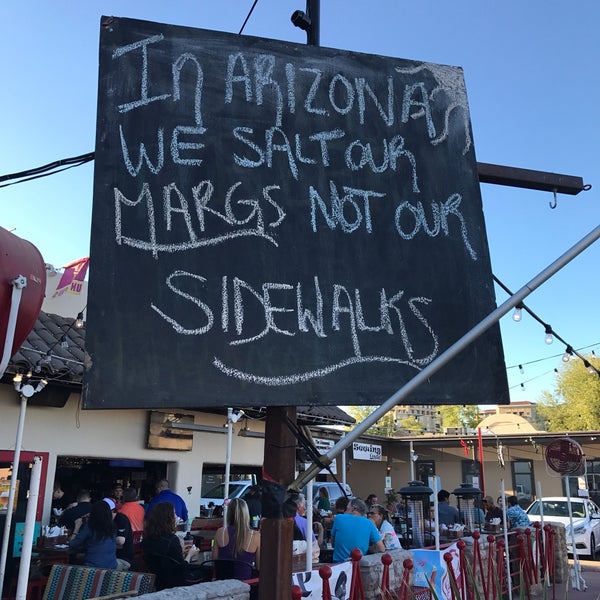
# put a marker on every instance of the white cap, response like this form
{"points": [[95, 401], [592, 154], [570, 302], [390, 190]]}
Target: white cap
{"points": [[110, 502]]}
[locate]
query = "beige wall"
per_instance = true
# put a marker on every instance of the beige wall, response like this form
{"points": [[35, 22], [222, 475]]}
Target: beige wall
{"points": [[119, 434]]}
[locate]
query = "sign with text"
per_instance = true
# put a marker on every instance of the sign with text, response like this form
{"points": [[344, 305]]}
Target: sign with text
{"points": [[278, 224], [363, 451]]}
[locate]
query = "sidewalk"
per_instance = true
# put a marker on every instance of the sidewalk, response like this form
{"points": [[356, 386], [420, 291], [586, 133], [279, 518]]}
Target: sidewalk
{"points": [[590, 573]]}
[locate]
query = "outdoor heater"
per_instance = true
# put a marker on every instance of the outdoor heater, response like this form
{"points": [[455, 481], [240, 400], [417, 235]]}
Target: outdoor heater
{"points": [[415, 498], [469, 506]]}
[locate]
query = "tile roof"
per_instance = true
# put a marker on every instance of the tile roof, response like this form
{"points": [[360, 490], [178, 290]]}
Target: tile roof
{"points": [[63, 365]]}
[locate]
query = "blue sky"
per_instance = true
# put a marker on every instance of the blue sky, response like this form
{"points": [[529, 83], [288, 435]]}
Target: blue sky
{"points": [[531, 70]]}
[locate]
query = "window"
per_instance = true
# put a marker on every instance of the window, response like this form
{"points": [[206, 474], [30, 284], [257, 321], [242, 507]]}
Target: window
{"points": [[523, 484], [471, 473], [424, 469]]}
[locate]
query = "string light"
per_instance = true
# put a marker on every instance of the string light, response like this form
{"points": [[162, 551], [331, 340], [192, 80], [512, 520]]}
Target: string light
{"points": [[589, 367], [518, 314], [551, 334], [79, 320], [521, 370]]}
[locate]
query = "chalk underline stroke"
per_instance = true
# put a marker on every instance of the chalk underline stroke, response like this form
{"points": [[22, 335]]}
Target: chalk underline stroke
{"points": [[198, 243], [308, 375]]}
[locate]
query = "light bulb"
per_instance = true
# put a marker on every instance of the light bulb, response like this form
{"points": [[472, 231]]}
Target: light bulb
{"points": [[79, 320], [567, 355], [521, 370], [549, 337], [589, 367], [517, 315]]}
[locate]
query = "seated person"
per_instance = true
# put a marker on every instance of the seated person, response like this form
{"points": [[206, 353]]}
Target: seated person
{"points": [[79, 511], [379, 515], [353, 530], [517, 518], [323, 503], [447, 514], [97, 537], [162, 548], [238, 541], [492, 511], [340, 506], [300, 528]]}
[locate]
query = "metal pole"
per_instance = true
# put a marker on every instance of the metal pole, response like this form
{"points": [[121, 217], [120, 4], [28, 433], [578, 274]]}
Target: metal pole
{"points": [[506, 550], [449, 354], [227, 464], [11, 493], [436, 513], [577, 580], [18, 283], [344, 467], [313, 10], [309, 522], [32, 502]]}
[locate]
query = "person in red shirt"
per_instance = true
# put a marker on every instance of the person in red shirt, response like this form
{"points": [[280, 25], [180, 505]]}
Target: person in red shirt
{"points": [[134, 511]]}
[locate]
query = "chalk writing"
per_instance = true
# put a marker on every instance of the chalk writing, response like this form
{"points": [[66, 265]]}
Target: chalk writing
{"points": [[291, 218]]}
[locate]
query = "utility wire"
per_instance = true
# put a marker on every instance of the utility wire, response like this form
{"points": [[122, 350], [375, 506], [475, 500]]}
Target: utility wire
{"points": [[248, 17], [45, 170]]}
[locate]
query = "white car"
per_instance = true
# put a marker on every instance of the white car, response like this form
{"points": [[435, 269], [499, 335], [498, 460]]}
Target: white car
{"points": [[216, 494], [586, 521]]}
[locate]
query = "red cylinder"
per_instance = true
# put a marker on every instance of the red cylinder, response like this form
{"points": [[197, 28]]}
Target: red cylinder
{"points": [[20, 257]]}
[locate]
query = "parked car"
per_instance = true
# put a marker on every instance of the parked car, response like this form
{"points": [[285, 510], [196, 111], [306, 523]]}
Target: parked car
{"points": [[586, 521], [216, 494], [333, 488]]}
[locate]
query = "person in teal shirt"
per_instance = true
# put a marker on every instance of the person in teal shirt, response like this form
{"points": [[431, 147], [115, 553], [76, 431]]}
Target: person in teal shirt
{"points": [[353, 530], [323, 503]]}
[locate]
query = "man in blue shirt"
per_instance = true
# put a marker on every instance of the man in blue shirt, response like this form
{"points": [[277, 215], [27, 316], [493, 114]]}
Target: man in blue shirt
{"points": [[516, 516], [447, 513], [353, 530], [164, 494]]}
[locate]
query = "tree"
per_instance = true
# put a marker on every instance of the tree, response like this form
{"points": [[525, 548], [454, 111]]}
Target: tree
{"points": [[574, 405], [411, 425], [459, 416], [384, 426]]}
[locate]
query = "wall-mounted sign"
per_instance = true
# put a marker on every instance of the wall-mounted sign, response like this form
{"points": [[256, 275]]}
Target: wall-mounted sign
{"points": [[362, 451], [163, 433], [324, 446]]}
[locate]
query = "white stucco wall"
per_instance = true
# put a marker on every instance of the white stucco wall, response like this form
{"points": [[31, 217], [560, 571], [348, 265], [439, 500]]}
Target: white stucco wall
{"points": [[119, 434]]}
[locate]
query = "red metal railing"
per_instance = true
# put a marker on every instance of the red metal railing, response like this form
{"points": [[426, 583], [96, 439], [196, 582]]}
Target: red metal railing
{"points": [[530, 556]]}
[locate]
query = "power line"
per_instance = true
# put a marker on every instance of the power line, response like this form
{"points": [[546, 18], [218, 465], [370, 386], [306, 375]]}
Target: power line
{"points": [[248, 17], [50, 169]]}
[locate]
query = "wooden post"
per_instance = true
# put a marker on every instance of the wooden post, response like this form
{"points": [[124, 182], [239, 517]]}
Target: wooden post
{"points": [[277, 534]]}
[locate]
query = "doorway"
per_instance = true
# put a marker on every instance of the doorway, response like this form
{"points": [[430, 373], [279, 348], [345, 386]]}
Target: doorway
{"points": [[99, 475]]}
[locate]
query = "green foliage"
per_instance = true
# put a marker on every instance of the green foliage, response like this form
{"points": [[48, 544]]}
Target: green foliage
{"points": [[384, 426], [411, 425], [574, 405], [459, 416]]}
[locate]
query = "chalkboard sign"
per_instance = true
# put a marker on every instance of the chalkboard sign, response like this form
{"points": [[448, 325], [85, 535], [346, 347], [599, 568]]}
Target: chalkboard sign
{"points": [[279, 224]]}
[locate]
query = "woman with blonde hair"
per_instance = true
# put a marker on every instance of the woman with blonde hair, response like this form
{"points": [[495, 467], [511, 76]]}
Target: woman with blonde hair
{"points": [[238, 541]]}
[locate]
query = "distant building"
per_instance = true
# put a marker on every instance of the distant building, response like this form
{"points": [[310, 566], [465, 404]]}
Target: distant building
{"points": [[428, 416], [527, 410]]}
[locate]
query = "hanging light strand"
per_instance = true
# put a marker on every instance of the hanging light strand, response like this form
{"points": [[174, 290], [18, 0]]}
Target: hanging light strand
{"points": [[550, 332]]}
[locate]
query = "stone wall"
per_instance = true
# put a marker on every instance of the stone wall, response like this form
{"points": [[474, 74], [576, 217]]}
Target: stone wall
{"points": [[229, 589], [371, 569]]}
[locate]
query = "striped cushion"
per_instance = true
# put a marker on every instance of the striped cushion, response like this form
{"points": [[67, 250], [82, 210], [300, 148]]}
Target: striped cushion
{"points": [[71, 582]]}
